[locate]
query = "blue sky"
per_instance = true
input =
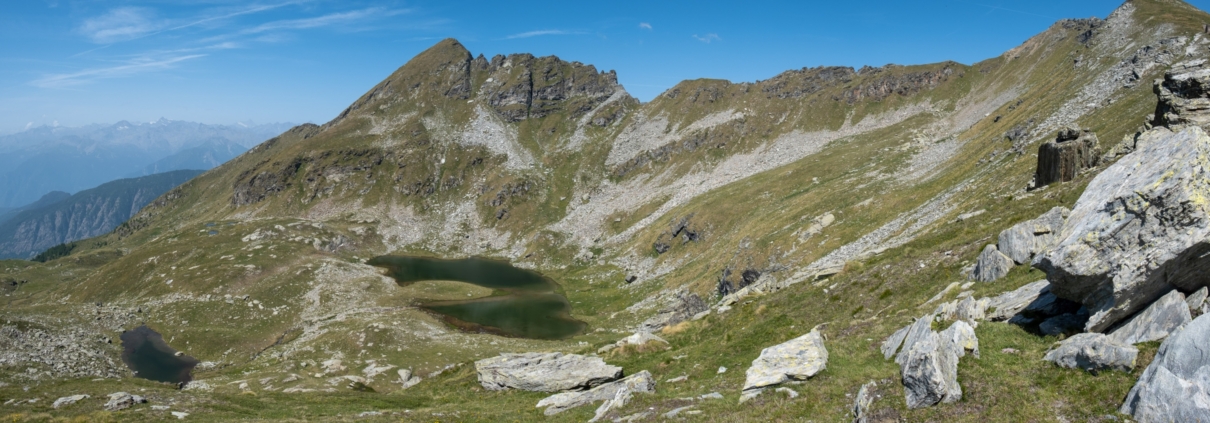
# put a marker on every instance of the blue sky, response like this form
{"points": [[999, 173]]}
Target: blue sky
{"points": [[221, 61]]}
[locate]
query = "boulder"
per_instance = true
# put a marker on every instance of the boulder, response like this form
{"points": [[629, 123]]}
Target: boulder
{"points": [[558, 403], [1196, 299], [683, 306], [962, 337], [796, 359], [1093, 352], [971, 310], [861, 404], [1008, 304], [930, 373], [1060, 160], [640, 338], [1138, 230], [619, 400], [407, 379], [122, 400], [1176, 386], [544, 372], [1023, 241], [1182, 96], [917, 331], [891, 345], [991, 265], [1155, 322], [66, 401]]}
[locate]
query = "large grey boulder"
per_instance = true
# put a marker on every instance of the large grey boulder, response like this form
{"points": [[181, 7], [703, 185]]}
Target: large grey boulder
{"points": [[68, 400], [558, 403], [971, 310], [796, 359], [1023, 241], [1008, 304], [122, 400], [544, 372], [918, 330], [1176, 386], [1093, 352], [1155, 322], [1183, 97], [1138, 230], [961, 337], [991, 265], [891, 345], [930, 372]]}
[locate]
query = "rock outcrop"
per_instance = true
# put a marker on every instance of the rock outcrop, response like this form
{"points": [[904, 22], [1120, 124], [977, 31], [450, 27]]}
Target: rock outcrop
{"points": [[558, 403], [1093, 352], [1138, 230], [1060, 160], [1008, 304], [1155, 322], [861, 404], [930, 372], [1176, 386], [544, 372], [1183, 96], [122, 400], [796, 359], [991, 265], [68, 400], [1025, 240]]}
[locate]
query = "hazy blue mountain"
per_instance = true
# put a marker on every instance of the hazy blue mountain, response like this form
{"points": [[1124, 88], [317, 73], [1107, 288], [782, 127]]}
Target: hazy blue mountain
{"points": [[85, 214], [46, 200], [45, 159]]}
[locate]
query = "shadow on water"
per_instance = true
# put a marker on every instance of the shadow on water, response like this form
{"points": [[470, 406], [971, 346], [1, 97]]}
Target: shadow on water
{"points": [[524, 304], [146, 353]]}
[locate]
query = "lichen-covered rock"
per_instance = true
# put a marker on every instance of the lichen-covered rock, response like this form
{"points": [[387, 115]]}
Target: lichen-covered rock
{"points": [[558, 403], [1155, 322], [1138, 230], [544, 372], [971, 310], [1183, 96], [930, 373], [68, 400], [1025, 240], [122, 400], [1196, 299], [796, 359], [1060, 160], [1176, 386], [991, 265], [861, 404], [918, 330], [962, 337], [1093, 352]]}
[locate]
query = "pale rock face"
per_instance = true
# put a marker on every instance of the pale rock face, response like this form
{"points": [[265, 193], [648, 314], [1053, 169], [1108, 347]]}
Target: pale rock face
{"points": [[1027, 239], [66, 401], [1093, 352], [1155, 322], [544, 372], [1008, 304], [962, 336], [1137, 230], [122, 400], [991, 265], [1176, 386], [930, 373], [918, 330], [796, 359], [558, 403]]}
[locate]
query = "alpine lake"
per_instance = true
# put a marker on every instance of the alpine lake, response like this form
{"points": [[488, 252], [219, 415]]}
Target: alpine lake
{"points": [[523, 303]]}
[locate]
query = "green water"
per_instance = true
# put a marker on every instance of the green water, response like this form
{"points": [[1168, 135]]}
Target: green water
{"points": [[146, 353], [524, 304]]}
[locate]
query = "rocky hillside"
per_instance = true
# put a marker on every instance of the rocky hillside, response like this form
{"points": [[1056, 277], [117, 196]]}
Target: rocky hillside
{"points": [[938, 242], [85, 214]]}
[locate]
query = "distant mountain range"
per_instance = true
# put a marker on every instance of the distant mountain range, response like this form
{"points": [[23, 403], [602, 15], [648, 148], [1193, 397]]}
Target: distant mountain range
{"points": [[46, 159], [58, 217]]}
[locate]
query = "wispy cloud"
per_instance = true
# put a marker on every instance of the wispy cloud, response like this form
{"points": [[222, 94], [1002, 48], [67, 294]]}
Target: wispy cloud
{"points": [[322, 21], [707, 38], [134, 67], [121, 24], [538, 33], [247, 11], [645, 25]]}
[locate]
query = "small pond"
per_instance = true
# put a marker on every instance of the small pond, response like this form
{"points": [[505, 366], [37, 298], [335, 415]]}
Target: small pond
{"points": [[146, 353], [523, 304]]}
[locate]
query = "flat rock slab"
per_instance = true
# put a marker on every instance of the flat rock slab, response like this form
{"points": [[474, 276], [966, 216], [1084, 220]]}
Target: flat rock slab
{"points": [[1008, 304], [1093, 352], [1137, 230], [1176, 386], [558, 403], [1156, 321], [544, 372], [796, 359]]}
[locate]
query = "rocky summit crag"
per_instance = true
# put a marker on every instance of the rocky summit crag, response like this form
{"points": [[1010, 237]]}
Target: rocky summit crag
{"points": [[867, 244]]}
